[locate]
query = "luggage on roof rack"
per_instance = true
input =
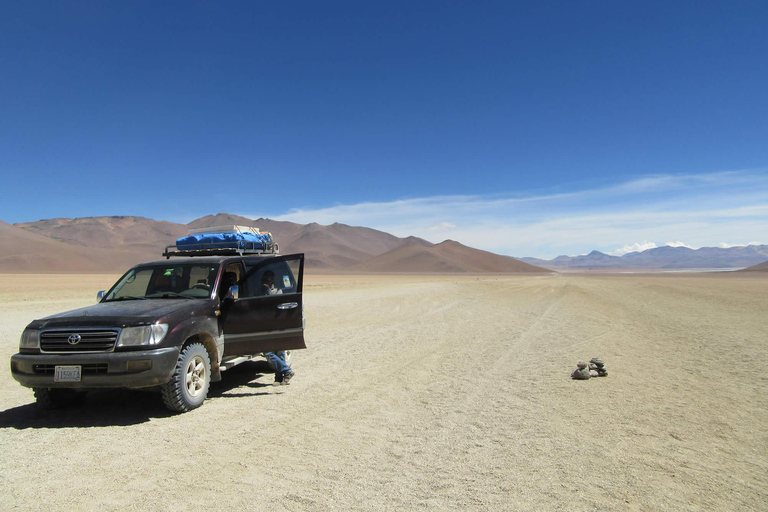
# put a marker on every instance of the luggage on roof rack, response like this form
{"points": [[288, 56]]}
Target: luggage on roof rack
{"points": [[223, 240]]}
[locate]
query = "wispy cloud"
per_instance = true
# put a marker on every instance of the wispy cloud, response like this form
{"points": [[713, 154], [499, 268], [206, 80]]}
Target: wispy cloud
{"points": [[724, 245], [701, 210], [443, 226], [638, 247]]}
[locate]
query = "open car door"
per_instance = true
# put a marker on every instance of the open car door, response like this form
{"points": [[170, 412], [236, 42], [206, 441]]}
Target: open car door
{"points": [[266, 318]]}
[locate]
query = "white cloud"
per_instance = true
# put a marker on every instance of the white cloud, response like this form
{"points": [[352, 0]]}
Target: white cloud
{"points": [[679, 244], [639, 247], [443, 226], [724, 245], [703, 210]]}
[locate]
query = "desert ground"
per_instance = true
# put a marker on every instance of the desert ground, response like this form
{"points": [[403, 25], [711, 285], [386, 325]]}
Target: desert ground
{"points": [[428, 392]]}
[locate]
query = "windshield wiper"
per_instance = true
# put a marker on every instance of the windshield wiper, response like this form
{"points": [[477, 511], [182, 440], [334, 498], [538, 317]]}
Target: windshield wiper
{"points": [[174, 295], [126, 297]]}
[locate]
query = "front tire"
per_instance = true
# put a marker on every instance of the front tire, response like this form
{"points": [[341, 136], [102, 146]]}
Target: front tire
{"points": [[188, 386]]}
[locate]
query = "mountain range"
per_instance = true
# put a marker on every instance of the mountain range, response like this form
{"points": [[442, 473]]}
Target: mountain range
{"points": [[112, 244], [662, 258]]}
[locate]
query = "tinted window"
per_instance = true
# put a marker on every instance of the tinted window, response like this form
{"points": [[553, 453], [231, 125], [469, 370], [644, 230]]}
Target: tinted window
{"points": [[272, 278]]}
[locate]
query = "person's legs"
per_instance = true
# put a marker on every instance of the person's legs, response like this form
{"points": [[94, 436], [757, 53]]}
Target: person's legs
{"points": [[277, 361], [283, 372]]}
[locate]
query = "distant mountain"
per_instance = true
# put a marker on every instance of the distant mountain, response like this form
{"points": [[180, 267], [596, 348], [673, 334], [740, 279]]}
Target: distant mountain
{"points": [[337, 246], [595, 259], [115, 243], [132, 233], [661, 258], [30, 251], [449, 256], [762, 267]]}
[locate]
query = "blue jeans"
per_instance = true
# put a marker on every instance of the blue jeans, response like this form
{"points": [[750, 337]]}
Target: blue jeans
{"points": [[277, 361]]}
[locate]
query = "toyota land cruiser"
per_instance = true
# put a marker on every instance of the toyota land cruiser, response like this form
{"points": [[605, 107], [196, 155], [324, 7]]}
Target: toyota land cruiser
{"points": [[173, 324]]}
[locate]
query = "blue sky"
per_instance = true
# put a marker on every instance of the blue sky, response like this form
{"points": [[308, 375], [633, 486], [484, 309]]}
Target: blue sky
{"points": [[525, 128]]}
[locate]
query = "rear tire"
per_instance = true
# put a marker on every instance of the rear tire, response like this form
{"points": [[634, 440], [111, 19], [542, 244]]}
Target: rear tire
{"points": [[58, 398], [188, 386]]}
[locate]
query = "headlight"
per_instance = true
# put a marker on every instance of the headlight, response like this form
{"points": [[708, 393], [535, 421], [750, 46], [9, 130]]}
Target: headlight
{"points": [[30, 338], [144, 335]]}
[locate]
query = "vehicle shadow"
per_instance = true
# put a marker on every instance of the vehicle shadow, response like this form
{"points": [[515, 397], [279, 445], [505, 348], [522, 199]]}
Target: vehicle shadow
{"points": [[236, 381], [123, 407], [102, 408]]}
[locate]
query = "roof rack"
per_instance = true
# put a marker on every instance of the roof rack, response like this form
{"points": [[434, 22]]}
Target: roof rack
{"points": [[224, 241]]}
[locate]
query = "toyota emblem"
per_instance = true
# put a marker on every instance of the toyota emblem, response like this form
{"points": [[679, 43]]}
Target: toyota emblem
{"points": [[74, 339]]}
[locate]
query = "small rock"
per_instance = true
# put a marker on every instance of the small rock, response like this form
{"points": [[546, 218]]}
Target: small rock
{"points": [[582, 364], [580, 374]]}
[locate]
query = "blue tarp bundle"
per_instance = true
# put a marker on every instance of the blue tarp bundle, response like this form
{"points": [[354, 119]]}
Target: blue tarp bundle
{"points": [[244, 240]]}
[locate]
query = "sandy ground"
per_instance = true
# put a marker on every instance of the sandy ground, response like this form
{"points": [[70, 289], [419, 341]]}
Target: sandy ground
{"points": [[428, 392]]}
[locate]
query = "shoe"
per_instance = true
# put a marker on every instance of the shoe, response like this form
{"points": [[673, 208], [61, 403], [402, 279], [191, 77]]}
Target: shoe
{"points": [[287, 376]]}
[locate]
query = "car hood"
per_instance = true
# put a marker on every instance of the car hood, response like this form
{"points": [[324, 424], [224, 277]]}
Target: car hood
{"points": [[118, 314]]}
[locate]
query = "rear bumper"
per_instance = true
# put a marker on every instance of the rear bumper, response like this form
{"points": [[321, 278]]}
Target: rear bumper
{"points": [[138, 369]]}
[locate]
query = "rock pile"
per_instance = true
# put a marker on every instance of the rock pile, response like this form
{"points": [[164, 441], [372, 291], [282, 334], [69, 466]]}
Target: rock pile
{"points": [[581, 372], [595, 368]]}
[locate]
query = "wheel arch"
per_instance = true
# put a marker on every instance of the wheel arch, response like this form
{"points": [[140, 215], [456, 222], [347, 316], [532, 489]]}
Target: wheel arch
{"points": [[209, 342]]}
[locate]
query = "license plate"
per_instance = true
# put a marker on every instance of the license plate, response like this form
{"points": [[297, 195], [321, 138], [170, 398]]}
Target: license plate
{"points": [[67, 374]]}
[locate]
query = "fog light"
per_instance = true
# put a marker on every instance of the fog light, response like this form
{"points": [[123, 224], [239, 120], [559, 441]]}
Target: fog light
{"points": [[139, 365]]}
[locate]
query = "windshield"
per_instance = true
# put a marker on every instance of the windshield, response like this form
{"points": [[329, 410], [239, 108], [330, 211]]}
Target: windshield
{"points": [[166, 281]]}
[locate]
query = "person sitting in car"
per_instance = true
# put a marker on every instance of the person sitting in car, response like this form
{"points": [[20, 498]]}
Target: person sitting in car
{"points": [[268, 284]]}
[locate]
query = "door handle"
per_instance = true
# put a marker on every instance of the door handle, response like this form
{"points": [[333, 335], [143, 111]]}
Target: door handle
{"points": [[288, 305]]}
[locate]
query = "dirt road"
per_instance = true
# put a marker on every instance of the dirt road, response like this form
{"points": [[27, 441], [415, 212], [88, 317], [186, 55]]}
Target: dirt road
{"points": [[428, 392]]}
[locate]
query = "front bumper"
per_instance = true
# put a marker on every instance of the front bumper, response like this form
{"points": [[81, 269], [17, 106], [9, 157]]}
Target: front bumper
{"points": [[139, 369]]}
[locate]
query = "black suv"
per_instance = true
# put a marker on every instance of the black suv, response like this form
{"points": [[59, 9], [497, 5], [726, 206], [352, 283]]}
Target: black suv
{"points": [[173, 324]]}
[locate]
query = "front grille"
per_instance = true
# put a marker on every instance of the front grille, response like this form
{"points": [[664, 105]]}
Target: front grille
{"points": [[91, 368], [78, 341]]}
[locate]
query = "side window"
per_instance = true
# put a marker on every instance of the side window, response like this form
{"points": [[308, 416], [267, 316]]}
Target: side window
{"points": [[272, 279]]}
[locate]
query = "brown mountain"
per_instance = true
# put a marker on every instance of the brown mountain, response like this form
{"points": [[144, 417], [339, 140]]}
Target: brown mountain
{"points": [[336, 247], [132, 233], [25, 251], [761, 267], [115, 243], [448, 256]]}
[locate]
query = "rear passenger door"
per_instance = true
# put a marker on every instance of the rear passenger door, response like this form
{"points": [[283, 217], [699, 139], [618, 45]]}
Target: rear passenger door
{"points": [[266, 318]]}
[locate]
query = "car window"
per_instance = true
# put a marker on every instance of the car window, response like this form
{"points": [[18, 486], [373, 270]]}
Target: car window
{"points": [[272, 279]]}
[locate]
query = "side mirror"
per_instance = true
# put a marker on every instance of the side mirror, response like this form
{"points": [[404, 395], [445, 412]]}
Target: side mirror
{"points": [[100, 295], [233, 293]]}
